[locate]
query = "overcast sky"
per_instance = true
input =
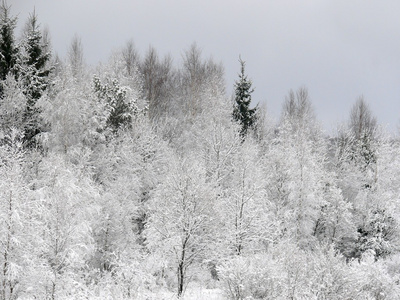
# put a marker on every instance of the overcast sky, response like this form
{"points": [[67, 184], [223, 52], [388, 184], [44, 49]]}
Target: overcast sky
{"points": [[339, 50]]}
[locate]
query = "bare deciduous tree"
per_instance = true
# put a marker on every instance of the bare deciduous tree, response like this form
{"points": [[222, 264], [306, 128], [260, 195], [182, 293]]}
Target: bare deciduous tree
{"points": [[362, 122], [75, 55], [158, 81], [196, 76], [298, 105], [299, 113], [130, 57]]}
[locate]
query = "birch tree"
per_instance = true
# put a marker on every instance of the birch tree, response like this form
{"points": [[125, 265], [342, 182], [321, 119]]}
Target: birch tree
{"points": [[66, 216], [178, 227], [16, 225]]}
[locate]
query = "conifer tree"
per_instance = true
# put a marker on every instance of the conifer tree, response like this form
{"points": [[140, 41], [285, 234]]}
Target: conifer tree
{"points": [[8, 48], [34, 75], [242, 113], [35, 59], [118, 106]]}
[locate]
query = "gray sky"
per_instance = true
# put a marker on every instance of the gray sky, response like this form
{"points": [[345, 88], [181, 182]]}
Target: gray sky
{"points": [[338, 49]]}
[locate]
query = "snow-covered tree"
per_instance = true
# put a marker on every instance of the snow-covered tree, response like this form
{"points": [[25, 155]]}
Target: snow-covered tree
{"points": [[8, 47], [69, 114], [158, 78], [335, 222], [75, 57], [68, 197], [33, 72], [16, 225], [130, 58], [362, 122], [241, 208], [119, 107], [194, 77], [242, 112], [12, 104], [297, 161], [178, 227]]}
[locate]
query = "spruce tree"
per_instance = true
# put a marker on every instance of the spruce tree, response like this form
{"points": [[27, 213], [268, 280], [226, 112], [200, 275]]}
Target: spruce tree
{"points": [[8, 48], [242, 113], [33, 73], [34, 60]]}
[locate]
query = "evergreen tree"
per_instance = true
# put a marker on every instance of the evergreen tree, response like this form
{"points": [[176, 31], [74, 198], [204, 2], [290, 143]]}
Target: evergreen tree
{"points": [[36, 54], [242, 112], [34, 75], [8, 49], [118, 106]]}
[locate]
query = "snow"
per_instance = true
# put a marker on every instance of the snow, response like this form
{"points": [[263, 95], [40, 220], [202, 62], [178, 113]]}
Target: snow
{"points": [[190, 294]]}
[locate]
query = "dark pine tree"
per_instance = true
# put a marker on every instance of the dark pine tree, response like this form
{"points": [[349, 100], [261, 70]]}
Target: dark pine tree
{"points": [[8, 48], [242, 113]]}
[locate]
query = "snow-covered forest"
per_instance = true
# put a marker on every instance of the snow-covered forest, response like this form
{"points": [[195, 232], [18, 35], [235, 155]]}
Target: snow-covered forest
{"points": [[141, 178]]}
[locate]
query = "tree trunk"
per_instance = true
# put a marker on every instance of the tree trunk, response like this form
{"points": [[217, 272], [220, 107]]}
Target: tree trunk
{"points": [[181, 277]]}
